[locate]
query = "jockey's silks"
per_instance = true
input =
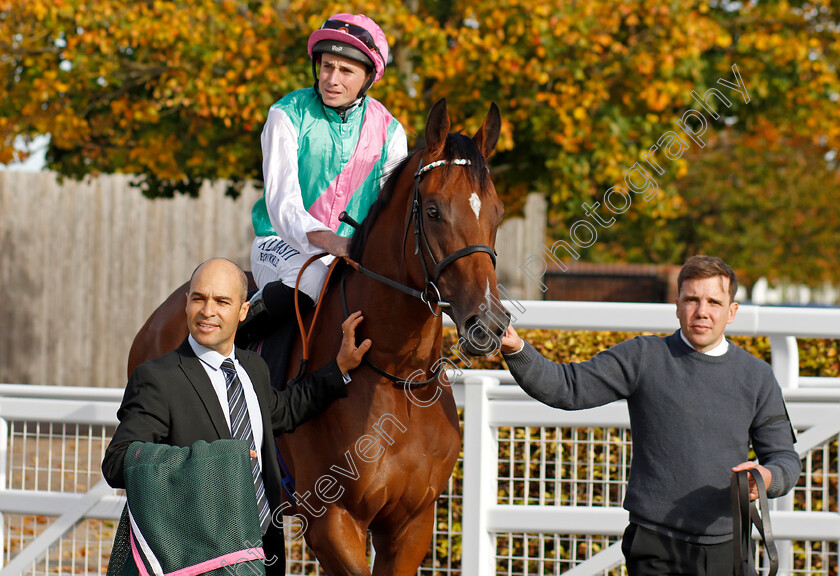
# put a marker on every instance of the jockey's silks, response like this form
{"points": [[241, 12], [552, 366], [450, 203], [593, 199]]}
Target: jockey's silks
{"points": [[340, 163]]}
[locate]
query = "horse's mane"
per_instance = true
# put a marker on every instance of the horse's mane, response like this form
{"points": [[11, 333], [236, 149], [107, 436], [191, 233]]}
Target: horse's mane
{"points": [[457, 146]]}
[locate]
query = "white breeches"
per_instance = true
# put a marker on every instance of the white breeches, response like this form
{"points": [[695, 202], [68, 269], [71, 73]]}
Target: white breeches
{"points": [[272, 258]]}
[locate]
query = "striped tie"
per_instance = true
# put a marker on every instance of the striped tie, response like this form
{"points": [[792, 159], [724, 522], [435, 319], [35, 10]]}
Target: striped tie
{"points": [[240, 428]]}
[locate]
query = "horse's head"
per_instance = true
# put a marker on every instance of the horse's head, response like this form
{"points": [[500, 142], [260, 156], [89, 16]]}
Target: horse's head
{"points": [[451, 230]]}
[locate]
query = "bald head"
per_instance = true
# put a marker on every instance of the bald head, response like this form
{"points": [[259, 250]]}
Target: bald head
{"points": [[225, 266]]}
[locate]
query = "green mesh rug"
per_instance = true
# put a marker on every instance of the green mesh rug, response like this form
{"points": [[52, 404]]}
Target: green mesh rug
{"points": [[190, 511]]}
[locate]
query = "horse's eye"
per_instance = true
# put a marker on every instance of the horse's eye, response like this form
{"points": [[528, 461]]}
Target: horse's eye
{"points": [[432, 212]]}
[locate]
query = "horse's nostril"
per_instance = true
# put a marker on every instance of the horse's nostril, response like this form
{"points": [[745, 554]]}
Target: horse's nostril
{"points": [[496, 318], [478, 336], [493, 322]]}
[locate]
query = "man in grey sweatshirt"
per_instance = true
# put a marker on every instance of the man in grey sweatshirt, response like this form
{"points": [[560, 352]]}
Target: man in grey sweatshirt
{"points": [[696, 401]]}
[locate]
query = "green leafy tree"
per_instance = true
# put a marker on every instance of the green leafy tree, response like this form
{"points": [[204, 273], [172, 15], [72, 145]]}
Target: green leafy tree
{"points": [[177, 92]]}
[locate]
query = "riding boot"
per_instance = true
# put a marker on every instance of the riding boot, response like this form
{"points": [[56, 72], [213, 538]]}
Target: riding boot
{"points": [[270, 308]]}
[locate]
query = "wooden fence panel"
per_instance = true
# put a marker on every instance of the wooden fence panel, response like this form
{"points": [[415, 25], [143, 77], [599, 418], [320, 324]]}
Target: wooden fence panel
{"points": [[83, 264], [516, 239]]}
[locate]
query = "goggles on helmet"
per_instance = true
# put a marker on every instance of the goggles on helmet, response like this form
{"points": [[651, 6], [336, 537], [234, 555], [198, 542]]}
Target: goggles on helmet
{"points": [[356, 31]]}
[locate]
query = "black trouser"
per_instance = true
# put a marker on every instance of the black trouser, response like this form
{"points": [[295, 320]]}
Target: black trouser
{"points": [[648, 553]]}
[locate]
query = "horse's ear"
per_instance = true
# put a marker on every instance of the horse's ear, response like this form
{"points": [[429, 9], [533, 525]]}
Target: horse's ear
{"points": [[437, 129], [488, 135]]}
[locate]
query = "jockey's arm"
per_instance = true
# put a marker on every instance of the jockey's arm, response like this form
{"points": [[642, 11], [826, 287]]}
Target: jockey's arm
{"points": [[328, 240], [283, 197]]}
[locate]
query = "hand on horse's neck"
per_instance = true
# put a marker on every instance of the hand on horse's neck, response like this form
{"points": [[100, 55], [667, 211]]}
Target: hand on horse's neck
{"points": [[399, 325]]}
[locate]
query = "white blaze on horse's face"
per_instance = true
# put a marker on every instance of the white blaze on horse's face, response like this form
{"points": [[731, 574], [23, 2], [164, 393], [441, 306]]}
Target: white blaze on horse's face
{"points": [[475, 204]]}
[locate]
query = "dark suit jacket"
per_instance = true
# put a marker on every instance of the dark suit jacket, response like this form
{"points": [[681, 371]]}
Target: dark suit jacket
{"points": [[170, 400]]}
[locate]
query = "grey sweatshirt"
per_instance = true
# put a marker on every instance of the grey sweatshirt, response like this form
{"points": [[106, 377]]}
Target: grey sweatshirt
{"points": [[692, 418]]}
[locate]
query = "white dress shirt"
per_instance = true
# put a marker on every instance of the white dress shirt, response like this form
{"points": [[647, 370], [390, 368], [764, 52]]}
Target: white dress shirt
{"points": [[211, 361], [718, 350]]}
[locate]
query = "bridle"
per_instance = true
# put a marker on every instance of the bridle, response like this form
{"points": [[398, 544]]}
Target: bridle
{"points": [[430, 295]]}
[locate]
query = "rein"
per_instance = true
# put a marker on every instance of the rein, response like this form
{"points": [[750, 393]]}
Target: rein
{"points": [[744, 516], [305, 335], [429, 296], [405, 383]]}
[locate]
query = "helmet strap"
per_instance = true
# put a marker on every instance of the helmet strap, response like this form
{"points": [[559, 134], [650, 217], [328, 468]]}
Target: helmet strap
{"points": [[368, 84], [342, 110]]}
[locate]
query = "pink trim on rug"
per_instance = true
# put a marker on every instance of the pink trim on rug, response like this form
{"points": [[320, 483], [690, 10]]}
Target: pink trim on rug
{"points": [[138, 560], [246, 555]]}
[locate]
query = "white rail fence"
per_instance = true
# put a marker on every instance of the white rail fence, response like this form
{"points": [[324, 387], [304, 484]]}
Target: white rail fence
{"points": [[540, 489]]}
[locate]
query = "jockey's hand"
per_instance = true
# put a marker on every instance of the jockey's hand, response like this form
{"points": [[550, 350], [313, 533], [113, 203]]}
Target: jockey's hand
{"points": [[328, 240], [511, 342], [765, 474], [350, 355]]}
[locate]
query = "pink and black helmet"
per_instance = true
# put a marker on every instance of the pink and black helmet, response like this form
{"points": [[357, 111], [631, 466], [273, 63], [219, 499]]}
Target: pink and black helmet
{"points": [[353, 36]]}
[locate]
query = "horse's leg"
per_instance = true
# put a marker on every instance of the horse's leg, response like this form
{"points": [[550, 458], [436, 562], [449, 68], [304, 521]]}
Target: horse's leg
{"points": [[400, 552], [339, 543]]}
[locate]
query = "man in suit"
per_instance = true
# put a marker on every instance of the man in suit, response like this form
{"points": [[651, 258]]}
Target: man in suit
{"points": [[181, 397]]}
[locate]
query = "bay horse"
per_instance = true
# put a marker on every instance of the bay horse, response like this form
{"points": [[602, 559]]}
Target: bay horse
{"points": [[378, 459]]}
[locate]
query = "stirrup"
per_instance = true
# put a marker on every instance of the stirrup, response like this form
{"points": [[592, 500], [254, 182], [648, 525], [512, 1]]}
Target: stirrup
{"points": [[256, 308], [255, 324]]}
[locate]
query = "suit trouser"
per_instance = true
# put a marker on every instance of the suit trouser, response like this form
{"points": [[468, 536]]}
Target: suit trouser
{"points": [[648, 553]]}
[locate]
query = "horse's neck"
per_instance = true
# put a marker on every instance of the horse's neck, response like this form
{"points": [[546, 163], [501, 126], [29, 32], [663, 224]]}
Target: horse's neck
{"points": [[400, 325], [412, 331], [409, 334]]}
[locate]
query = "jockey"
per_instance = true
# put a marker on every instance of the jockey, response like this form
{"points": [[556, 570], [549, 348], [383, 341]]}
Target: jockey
{"points": [[325, 150]]}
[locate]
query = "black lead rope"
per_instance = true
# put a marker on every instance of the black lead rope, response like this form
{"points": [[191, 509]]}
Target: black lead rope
{"points": [[745, 515]]}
